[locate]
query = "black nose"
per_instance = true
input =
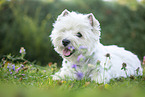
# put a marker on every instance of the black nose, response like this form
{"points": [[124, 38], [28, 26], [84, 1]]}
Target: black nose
{"points": [[65, 42]]}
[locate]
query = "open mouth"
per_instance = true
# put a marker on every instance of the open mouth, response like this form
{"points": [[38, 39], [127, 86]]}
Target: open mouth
{"points": [[68, 51]]}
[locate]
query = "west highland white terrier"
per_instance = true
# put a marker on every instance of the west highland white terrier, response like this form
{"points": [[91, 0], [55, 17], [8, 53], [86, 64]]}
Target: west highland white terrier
{"points": [[76, 37]]}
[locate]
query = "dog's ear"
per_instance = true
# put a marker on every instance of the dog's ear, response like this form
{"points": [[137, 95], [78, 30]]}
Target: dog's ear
{"points": [[65, 12], [93, 21], [90, 17]]}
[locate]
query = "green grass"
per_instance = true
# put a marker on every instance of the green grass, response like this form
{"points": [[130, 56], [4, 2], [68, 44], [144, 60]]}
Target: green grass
{"points": [[36, 81]]}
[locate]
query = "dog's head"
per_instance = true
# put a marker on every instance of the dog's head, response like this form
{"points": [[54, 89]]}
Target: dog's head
{"points": [[72, 30]]}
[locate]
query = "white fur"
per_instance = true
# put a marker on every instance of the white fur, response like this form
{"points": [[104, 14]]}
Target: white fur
{"points": [[67, 26]]}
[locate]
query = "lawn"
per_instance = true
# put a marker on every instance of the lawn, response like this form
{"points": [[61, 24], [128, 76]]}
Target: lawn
{"points": [[22, 78]]}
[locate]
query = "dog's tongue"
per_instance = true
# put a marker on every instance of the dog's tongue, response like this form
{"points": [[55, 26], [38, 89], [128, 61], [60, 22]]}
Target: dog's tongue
{"points": [[66, 52]]}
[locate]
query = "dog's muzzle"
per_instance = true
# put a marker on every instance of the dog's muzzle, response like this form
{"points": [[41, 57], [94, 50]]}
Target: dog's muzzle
{"points": [[68, 51], [65, 42]]}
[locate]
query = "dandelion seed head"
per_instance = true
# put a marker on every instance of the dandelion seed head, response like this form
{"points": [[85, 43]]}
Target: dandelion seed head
{"points": [[107, 55], [124, 65]]}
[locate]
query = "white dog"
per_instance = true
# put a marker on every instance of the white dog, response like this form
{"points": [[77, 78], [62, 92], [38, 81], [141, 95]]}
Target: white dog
{"points": [[76, 38]]}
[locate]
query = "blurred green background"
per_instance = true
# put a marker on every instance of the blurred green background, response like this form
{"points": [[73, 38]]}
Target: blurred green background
{"points": [[28, 24]]}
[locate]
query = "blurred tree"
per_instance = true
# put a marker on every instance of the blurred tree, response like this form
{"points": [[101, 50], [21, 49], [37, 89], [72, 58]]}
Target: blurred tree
{"points": [[130, 3]]}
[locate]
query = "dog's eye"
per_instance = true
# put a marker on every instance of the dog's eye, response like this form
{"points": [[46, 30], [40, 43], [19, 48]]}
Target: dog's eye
{"points": [[79, 34]]}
